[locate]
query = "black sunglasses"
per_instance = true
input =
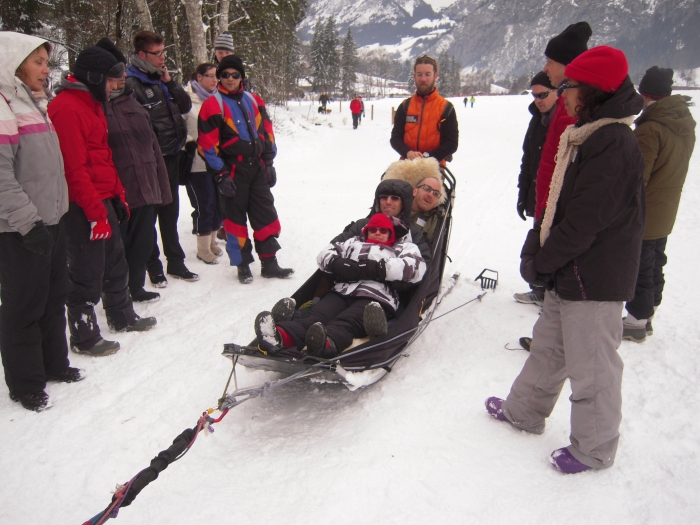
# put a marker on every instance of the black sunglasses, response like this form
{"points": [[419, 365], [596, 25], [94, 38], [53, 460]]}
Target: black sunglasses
{"points": [[389, 197], [542, 95], [383, 231], [426, 188], [226, 75], [565, 85]]}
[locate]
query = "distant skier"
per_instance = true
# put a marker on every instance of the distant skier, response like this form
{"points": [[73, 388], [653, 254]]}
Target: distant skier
{"points": [[465, 101]]}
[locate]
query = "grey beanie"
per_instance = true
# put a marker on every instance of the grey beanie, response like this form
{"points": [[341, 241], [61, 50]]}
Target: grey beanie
{"points": [[224, 41]]}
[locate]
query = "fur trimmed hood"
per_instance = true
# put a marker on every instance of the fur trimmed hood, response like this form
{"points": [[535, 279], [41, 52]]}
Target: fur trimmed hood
{"points": [[413, 171]]}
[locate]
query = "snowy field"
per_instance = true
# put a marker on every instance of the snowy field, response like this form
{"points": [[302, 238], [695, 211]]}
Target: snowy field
{"points": [[415, 448]]}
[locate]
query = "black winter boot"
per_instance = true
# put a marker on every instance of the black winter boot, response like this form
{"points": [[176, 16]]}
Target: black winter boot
{"points": [[374, 320], [35, 401], [317, 342], [283, 310], [244, 274], [271, 268], [180, 271], [71, 375], [266, 332]]}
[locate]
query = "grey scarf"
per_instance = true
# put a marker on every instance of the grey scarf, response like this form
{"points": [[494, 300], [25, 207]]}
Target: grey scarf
{"points": [[144, 66]]}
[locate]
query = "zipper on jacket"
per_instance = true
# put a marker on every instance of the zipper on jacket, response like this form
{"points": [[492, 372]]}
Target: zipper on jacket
{"points": [[420, 125], [578, 278]]}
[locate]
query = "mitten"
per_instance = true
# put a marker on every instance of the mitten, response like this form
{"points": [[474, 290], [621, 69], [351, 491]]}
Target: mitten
{"points": [[271, 175], [345, 270], [225, 184]]}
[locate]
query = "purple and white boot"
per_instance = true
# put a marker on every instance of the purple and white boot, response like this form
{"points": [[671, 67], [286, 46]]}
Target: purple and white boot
{"points": [[562, 460], [493, 407]]}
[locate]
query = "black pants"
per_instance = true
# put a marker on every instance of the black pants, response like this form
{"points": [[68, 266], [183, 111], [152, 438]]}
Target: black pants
{"points": [[167, 221], [33, 292], [340, 315], [137, 236], [650, 279], [253, 200], [355, 120], [97, 269], [204, 198]]}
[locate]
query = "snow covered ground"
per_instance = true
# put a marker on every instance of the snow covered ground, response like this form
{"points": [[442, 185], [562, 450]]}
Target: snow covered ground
{"points": [[417, 447]]}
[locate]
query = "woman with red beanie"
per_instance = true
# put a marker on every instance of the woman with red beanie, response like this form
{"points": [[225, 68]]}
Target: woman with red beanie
{"points": [[586, 252], [360, 299]]}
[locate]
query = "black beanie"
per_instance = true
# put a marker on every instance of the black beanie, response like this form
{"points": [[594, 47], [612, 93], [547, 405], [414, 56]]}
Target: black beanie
{"points": [[541, 79], [108, 45], [230, 62], [657, 82], [91, 68], [569, 44]]}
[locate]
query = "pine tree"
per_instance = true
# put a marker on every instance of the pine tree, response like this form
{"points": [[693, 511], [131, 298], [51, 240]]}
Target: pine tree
{"points": [[349, 65], [331, 44]]}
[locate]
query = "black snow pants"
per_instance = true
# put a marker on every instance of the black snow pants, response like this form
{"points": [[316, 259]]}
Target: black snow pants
{"points": [[650, 279], [97, 269], [33, 291], [137, 236]]}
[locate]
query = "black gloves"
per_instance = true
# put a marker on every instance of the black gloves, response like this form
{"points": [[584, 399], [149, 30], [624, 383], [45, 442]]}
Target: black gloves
{"points": [[38, 240], [348, 270], [225, 184], [527, 262], [121, 209], [521, 208], [271, 175]]}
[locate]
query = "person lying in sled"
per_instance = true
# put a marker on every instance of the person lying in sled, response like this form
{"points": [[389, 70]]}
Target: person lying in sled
{"points": [[360, 300]]}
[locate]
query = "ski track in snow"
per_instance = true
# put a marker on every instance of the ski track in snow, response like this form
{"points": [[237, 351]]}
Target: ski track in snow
{"points": [[416, 447]]}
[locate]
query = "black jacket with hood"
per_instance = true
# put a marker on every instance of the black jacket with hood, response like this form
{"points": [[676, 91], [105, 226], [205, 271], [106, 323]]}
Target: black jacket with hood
{"points": [[532, 151], [595, 241]]}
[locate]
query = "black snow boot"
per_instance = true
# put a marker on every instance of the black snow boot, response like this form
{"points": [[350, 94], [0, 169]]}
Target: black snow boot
{"points": [[283, 310], [180, 271], [525, 342], [318, 344], [266, 331], [71, 375], [374, 320], [35, 401], [244, 274], [101, 348], [142, 324], [271, 268]]}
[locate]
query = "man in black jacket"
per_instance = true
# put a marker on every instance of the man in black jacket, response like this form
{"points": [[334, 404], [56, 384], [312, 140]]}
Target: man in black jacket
{"points": [[166, 101], [541, 109]]}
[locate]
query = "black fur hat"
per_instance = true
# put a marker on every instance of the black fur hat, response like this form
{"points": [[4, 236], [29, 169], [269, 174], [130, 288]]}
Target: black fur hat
{"points": [[570, 43], [657, 82], [92, 67]]}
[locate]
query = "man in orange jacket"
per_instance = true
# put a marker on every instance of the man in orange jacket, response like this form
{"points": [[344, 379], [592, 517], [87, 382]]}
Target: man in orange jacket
{"points": [[425, 125]]}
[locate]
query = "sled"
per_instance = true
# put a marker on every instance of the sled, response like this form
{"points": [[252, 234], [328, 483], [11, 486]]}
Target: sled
{"points": [[366, 361]]}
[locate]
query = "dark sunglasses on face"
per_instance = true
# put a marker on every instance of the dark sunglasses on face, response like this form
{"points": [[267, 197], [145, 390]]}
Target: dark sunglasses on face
{"points": [[565, 85], [389, 198], [226, 75], [383, 231], [426, 188], [542, 95]]}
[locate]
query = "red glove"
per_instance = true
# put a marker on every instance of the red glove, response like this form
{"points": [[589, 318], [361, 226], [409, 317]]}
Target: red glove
{"points": [[100, 230]]}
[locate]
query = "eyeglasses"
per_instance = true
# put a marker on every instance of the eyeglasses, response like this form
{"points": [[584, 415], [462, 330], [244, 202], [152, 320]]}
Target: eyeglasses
{"points": [[159, 54], [383, 231], [426, 188], [226, 75], [542, 95], [209, 76], [565, 85], [389, 198]]}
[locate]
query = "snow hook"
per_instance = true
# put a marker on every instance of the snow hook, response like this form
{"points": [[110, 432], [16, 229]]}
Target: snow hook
{"points": [[489, 281]]}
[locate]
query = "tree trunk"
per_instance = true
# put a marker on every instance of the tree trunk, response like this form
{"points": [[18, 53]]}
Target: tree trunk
{"points": [[176, 36], [193, 10], [144, 14], [223, 16]]}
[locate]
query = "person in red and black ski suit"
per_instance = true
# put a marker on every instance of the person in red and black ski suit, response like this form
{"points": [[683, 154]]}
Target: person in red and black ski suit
{"points": [[237, 143], [356, 110]]}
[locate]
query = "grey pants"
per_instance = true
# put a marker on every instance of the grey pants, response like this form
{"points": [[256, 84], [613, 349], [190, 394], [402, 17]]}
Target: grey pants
{"points": [[577, 340]]}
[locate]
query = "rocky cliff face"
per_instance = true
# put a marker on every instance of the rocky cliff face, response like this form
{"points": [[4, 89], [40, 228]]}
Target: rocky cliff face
{"points": [[509, 36]]}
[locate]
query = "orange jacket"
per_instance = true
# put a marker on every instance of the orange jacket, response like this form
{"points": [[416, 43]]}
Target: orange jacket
{"points": [[427, 124]]}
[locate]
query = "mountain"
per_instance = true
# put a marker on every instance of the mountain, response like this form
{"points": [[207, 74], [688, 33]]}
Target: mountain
{"points": [[508, 37]]}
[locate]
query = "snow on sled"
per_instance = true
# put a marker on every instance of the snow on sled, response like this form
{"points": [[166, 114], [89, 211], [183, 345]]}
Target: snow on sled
{"points": [[366, 361]]}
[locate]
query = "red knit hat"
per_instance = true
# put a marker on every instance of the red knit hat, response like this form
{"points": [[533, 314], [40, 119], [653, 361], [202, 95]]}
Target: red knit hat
{"points": [[602, 67], [379, 220]]}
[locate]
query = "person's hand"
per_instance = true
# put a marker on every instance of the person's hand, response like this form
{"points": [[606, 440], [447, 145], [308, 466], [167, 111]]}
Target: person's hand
{"points": [[225, 184], [372, 270], [100, 230], [412, 155], [271, 175], [166, 75], [345, 270], [521, 209], [121, 208], [38, 240]]}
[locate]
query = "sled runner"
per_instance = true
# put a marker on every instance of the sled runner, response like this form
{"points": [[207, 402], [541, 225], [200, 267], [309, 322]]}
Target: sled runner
{"points": [[365, 363]]}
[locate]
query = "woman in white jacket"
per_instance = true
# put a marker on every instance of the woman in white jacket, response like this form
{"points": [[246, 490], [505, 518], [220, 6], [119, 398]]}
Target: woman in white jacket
{"points": [[362, 267], [33, 199], [201, 188]]}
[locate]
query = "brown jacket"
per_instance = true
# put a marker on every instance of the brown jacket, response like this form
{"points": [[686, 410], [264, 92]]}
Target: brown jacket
{"points": [[666, 133], [136, 153]]}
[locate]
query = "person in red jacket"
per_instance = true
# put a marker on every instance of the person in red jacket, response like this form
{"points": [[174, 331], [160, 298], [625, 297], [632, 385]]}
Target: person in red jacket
{"points": [[356, 110], [97, 265]]}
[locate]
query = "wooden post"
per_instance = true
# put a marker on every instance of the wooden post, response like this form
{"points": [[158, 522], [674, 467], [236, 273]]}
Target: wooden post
{"points": [[372, 113], [393, 113], [340, 107]]}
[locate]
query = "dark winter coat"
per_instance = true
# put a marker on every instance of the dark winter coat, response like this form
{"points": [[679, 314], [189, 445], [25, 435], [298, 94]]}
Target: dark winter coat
{"points": [[594, 245], [136, 153], [82, 133], [426, 123], [559, 122], [242, 131], [391, 187], [532, 151], [666, 133], [166, 102]]}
